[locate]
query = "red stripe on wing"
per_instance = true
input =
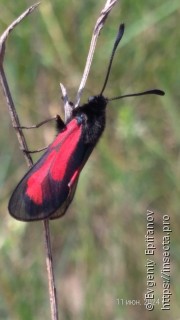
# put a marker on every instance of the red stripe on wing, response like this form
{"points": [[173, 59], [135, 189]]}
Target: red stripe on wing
{"points": [[56, 161]]}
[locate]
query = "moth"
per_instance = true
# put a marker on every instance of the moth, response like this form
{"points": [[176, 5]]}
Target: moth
{"points": [[47, 189]]}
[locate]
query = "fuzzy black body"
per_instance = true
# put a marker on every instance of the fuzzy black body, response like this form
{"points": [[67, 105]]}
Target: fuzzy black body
{"points": [[93, 115], [49, 186]]}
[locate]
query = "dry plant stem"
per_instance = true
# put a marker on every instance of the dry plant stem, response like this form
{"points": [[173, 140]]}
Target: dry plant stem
{"points": [[67, 107], [14, 116], [49, 263], [98, 26], [23, 145]]}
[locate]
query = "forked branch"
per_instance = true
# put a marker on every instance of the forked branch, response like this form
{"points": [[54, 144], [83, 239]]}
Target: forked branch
{"points": [[98, 26]]}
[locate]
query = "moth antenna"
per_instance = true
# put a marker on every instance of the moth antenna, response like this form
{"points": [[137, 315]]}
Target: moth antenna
{"points": [[153, 91], [118, 39]]}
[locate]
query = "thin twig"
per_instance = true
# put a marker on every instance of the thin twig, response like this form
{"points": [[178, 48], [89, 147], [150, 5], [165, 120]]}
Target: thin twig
{"points": [[49, 263], [98, 26], [23, 146], [7, 93], [67, 106]]}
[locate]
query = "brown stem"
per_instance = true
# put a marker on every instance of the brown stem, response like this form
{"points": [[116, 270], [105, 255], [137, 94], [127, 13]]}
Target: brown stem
{"points": [[14, 116], [23, 146], [98, 26], [49, 264]]}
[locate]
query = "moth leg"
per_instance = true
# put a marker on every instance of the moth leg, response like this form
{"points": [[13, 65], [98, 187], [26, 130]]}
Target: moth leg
{"points": [[57, 118], [60, 125], [33, 151]]}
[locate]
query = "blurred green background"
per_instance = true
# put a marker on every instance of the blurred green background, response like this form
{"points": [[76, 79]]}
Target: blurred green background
{"points": [[98, 247]]}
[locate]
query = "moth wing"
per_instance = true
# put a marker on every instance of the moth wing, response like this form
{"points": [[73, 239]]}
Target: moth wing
{"points": [[49, 184], [73, 184], [62, 210]]}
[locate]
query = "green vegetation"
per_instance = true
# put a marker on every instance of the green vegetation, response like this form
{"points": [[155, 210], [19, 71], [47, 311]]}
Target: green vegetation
{"points": [[98, 247]]}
